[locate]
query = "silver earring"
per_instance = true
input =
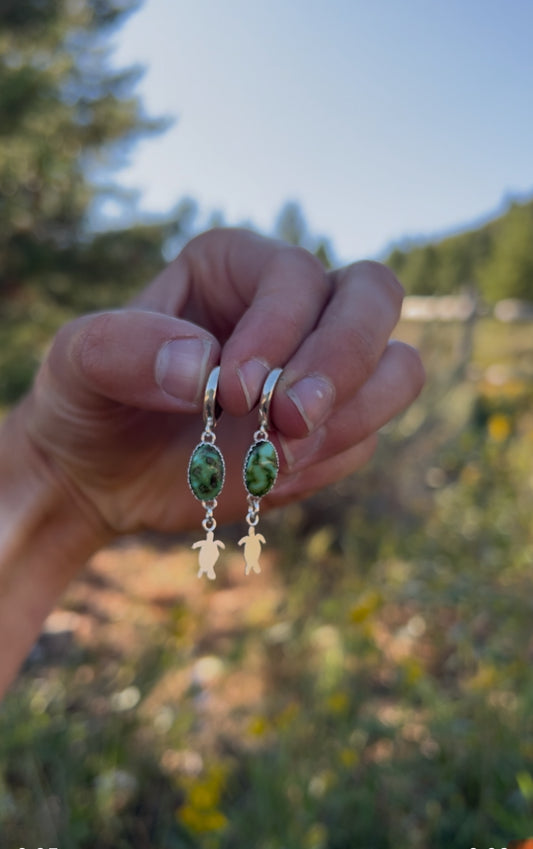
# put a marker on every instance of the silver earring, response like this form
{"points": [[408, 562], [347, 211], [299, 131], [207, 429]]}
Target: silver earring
{"points": [[260, 471], [206, 475]]}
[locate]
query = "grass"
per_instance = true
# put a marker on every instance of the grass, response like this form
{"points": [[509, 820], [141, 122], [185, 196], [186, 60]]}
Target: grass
{"points": [[371, 689]]}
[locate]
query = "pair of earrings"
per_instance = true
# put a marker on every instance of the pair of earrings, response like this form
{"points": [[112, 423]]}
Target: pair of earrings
{"points": [[207, 471]]}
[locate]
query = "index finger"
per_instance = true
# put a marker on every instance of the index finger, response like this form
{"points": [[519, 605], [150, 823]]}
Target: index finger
{"points": [[260, 297], [291, 293]]}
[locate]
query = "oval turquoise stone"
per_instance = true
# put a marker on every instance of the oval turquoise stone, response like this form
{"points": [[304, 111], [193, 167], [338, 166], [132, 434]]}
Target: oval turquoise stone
{"points": [[261, 468], [206, 471]]}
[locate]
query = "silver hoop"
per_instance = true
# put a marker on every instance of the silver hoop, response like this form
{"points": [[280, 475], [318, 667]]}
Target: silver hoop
{"points": [[212, 410], [266, 398]]}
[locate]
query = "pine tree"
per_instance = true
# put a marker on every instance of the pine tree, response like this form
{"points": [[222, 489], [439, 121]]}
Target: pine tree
{"points": [[495, 259], [65, 117], [291, 226], [508, 271]]}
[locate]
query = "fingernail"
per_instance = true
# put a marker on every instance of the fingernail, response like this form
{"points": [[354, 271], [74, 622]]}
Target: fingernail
{"points": [[252, 375], [299, 452], [181, 368], [314, 398]]}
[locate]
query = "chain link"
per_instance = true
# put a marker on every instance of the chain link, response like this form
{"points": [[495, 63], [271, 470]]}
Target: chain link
{"points": [[208, 434], [253, 511], [261, 435], [209, 523]]}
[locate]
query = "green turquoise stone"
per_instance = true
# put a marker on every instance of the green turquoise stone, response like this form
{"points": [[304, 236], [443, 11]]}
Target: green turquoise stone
{"points": [[261, 468], [206, 472]]}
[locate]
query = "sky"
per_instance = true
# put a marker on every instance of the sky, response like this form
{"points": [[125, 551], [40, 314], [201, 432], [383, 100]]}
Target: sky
{"points": [[383, 119]]}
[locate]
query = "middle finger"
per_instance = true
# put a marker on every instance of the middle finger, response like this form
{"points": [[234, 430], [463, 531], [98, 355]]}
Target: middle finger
{"points": [[341, 353]]}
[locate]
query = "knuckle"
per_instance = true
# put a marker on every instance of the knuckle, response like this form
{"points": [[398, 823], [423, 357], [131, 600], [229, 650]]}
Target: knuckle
{"points": [[63, 348], [299, 262], [62, 339], [383, 276], [364, 352], [91, 348]]}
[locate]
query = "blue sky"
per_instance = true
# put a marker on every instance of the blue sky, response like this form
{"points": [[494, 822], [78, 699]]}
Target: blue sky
{"points": [[382, 118]]}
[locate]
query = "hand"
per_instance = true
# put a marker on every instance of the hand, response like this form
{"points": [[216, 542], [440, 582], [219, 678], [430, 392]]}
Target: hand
{"points": [[116, 407]]}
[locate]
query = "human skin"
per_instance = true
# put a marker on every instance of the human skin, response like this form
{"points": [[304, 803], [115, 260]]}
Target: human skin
{"points": [[100, 445]]}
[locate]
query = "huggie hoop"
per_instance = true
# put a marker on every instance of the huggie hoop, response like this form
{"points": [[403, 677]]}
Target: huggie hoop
{"points": [[266, 398], [212, 410]]}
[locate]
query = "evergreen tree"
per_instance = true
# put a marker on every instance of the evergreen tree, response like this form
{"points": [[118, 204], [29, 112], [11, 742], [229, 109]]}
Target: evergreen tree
{"points": [[508, 270], [495, 259], [291, 226], [65, 116]]}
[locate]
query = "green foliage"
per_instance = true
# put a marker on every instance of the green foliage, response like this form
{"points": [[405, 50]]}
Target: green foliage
{"points": [[508, 271], [65, 119], [55, 735], [394, 659], [496, 260], [292, 228], [62, 110]]}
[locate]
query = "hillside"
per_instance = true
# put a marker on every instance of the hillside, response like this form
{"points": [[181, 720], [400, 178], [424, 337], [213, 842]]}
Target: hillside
{"points": [[496, 259]]}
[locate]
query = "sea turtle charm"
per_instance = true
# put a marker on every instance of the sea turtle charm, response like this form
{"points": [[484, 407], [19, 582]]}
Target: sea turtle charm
{"points": [[209, 554], [252, 550]]}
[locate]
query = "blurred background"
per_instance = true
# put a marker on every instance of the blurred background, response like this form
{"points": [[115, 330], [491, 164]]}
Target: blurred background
{"points": [[373, 688]]}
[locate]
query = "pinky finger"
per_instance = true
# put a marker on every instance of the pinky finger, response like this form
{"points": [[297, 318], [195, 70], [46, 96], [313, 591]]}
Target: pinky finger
{"points": [[309, 480]]}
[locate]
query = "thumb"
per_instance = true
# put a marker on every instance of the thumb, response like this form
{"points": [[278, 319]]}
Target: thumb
{"points": [[143, 359]]}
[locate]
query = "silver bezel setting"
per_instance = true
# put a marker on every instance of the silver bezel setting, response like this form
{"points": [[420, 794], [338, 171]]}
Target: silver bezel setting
{"points": [[250, 450], [220, 454]]}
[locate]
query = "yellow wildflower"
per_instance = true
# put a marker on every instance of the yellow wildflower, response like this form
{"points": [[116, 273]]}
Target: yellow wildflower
{"points": [[485, 678], [413, 670], [348, 757], [316, 837], [338, 702], [287, 716], [203, 796], [202, 821], [367, 603], [258, 726], [499, 427]]}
